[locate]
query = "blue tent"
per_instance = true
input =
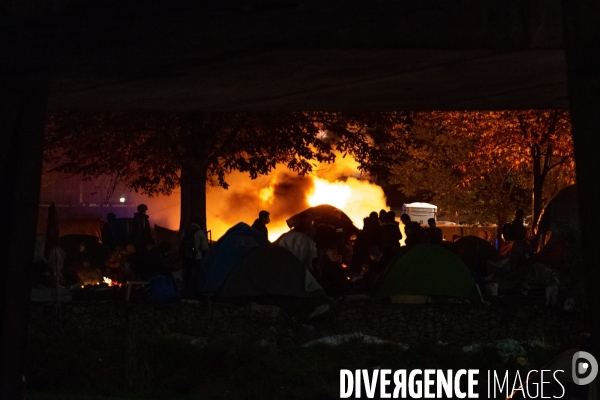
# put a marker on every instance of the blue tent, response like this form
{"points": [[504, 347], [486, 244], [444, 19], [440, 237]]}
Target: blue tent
{"points": [[223, 256]]}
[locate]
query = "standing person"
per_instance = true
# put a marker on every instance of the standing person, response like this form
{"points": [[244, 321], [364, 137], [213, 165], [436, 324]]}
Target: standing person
{"points": [[369, 236], [519, 253], [141, 234], [109, 232], [260, 224], [391, 235], [518, 232], [383, 216], [433, 232], [192, 248], [415, 233]]}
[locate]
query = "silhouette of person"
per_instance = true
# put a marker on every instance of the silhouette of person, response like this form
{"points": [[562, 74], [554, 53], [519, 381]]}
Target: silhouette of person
{"points": [[260, 223], [141, 234], [193, 247], [109, 232], [433, 232], [390, 234]]}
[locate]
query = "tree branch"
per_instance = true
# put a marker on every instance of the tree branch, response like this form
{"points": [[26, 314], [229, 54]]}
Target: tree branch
{"points": [[564, 159]]}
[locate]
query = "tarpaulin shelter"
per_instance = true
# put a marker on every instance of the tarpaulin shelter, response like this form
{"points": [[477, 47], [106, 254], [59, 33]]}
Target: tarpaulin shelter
{"points": [[427, 270], [270, 270], [327, 214], [91, 226], [222, 257]]}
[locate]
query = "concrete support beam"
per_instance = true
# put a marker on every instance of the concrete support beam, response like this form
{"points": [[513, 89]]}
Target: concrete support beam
{"points": [[582, 33], [22, 118]]}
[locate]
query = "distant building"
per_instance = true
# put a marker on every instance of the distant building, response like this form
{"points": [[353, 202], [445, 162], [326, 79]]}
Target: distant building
{"points": [[75, 197]]}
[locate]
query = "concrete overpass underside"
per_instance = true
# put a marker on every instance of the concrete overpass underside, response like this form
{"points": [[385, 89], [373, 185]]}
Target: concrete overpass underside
{"points": [[303, 54]]}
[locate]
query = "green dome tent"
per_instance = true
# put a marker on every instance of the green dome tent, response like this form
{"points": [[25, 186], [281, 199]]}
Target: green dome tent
{"points": [[427, 270], [270, 270]]}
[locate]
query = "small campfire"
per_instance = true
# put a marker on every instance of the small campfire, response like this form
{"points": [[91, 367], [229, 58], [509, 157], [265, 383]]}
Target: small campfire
{"points": [[110, 282]]}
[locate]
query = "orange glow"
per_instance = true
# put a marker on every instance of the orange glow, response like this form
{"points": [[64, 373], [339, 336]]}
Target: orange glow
{"points": [[403, 231], [282, 193], [266, 194]]}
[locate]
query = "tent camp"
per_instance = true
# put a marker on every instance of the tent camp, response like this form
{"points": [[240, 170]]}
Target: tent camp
{"points": [[300, 245], [222, 257], [475, 253], [561, 214], [426, 270], [553, 254], [270, 270]]}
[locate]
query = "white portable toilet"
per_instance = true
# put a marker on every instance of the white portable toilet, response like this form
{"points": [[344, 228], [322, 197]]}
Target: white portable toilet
{"points": [[420, 212]]}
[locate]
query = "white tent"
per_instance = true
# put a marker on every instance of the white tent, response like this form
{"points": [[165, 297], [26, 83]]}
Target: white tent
{"points": [[299, 245], [420, 212]]}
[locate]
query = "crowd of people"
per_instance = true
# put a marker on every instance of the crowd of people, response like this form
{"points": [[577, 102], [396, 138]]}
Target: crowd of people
{"points": [[342, 258], [356, 262], [128, 252]]}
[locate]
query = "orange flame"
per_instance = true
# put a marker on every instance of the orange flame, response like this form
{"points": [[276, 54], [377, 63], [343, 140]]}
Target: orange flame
{"points": [[282, 193], [110, 282]]}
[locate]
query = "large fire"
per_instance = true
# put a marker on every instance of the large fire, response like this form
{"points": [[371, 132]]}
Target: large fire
{"points": [[283, 194]]}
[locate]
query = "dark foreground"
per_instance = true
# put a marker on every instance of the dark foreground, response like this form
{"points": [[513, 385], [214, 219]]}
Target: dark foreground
{"points": [[104, 366]]}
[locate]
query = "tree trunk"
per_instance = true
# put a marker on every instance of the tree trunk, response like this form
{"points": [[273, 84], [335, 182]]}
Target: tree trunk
{"points": [[537, 200], [193, 194]]}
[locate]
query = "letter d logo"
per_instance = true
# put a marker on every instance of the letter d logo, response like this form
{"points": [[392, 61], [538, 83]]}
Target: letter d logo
{"points": [[584, 368]]}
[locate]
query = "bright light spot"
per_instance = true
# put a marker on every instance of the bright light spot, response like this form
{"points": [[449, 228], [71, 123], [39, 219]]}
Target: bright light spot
{"points": [[110, 282], [355, 197], [322, 135], [332, 193], [122, 199]]}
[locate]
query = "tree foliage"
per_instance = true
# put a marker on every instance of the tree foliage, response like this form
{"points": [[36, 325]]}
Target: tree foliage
{"points": [[487, 164], [154, 153]]}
